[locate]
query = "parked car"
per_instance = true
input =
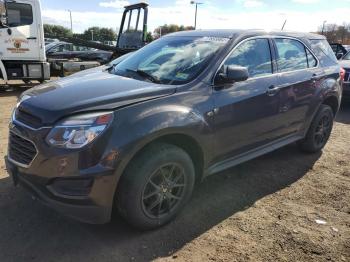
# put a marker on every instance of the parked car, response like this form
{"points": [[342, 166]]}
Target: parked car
{"points": [[110, 43], [138, 137], [345, 64], [63, 50], [50, 40], [339, 50], [102, 68]]}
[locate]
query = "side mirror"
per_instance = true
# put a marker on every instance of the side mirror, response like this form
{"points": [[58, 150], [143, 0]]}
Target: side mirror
{"points": [[232, 74], [3, 16]]}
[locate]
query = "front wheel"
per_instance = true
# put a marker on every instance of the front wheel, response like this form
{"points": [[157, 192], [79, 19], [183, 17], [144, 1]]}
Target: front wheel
{"points": [[155, 186], [319, 131]]}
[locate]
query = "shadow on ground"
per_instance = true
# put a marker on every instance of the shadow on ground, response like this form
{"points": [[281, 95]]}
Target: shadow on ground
{"points": [[14, 90], [30, 231]]}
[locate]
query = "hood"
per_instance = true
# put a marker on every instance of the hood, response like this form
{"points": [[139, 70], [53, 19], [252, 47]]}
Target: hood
{"points": [[94, 91], [90, 71], [344, 63]]}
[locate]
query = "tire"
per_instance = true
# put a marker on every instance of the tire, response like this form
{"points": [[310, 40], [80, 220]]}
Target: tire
{"points": [[319, 131], [163, 174]]}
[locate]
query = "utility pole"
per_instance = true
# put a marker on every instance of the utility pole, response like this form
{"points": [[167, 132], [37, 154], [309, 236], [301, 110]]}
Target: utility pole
{"points": [[195, 16], [324, 23], [71, 21], [92, 35]]}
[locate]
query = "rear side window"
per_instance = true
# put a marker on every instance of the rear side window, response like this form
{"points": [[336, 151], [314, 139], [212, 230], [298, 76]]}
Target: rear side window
{"points": [[253, 54], [61, 48], [19, 14], [291, 55], [323, 50]]}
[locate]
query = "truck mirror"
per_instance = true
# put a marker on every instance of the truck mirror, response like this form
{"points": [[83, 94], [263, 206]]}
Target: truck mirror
{"points": [[3, 16]]}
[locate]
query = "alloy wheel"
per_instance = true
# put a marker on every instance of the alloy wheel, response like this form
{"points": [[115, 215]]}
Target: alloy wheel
{"points": [[164, 190]]}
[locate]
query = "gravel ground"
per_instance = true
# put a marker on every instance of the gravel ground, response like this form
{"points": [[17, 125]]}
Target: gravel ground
{"points": [[263, 210]]}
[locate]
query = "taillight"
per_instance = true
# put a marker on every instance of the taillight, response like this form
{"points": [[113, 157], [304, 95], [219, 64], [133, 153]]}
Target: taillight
{"points": [[342, 74]]}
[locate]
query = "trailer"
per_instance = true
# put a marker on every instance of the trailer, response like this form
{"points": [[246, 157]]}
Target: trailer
{"points": [[22, 43]]}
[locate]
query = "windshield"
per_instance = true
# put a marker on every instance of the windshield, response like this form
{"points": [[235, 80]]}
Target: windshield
{"points": [[171, 60], [119, 59], [347, 56]]}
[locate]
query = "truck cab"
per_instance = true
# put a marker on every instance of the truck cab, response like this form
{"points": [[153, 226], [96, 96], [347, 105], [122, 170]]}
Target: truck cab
{"points": [[22, 48]]}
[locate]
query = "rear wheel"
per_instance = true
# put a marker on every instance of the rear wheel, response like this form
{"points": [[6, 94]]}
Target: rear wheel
{"points": [[319, 131], [156, 186]]}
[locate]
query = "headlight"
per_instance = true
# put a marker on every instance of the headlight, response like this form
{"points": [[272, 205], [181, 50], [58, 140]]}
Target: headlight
{"points": [[78, 131]]}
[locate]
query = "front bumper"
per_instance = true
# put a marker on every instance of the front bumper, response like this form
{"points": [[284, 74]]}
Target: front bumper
{"points": [[78, 184], [84, 209]]}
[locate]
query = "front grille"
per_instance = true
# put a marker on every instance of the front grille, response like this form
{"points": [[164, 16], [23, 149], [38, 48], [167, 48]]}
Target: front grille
{"points": [[27, 118], [21, 150]]}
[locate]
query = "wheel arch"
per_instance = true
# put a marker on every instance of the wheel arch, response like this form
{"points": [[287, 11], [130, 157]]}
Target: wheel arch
{"points": [[184, 141], [333, 102]]}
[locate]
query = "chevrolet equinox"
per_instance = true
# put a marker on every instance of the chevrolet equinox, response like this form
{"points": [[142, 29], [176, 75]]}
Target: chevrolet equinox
{"points": [[136, 137]]}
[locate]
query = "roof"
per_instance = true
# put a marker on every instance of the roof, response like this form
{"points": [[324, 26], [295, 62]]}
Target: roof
{"points": [[233, 33]]}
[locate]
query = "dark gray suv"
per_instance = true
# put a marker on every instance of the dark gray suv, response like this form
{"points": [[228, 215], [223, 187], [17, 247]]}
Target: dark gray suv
{"points": [[137, 136]]}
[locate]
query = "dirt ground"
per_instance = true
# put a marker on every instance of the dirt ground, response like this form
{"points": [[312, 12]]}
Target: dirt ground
{"points": [[263, 210]]}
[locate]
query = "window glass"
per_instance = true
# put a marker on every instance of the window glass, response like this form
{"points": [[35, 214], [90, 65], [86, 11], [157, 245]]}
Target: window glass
{"points": [[290, 55], [80, 48], [171, 60], [253, 54], [323, 50], [19, 14], [347, 56], [312, 62], [61, 48]]}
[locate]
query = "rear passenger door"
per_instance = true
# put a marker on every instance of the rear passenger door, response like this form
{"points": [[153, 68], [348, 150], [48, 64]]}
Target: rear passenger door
{"points": [[298, 77]]}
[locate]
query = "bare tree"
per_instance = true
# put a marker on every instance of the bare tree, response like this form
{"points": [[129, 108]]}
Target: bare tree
{"points": [[336, 33]]}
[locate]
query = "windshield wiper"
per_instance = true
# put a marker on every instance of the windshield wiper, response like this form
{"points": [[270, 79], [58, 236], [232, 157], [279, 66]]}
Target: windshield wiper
{"points": [[149, 76], [146, 75]]}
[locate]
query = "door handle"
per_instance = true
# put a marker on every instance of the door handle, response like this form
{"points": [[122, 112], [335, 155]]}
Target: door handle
{"points": [[315, 77], [31, 38], [273, 90]]}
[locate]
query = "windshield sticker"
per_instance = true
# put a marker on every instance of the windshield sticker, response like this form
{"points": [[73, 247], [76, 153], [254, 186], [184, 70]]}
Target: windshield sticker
{"points": [[213, 39], [180, 75]]}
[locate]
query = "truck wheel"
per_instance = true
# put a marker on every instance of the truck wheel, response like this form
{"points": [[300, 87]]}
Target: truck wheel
{"points": [[155, 186], [319, 131]]}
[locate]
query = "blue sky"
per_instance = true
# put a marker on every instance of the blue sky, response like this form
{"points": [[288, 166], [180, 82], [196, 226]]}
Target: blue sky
{"points": [[301, 15]]}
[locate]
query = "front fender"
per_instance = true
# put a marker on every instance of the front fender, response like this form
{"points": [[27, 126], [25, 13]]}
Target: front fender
{"points": [[138, 125]]}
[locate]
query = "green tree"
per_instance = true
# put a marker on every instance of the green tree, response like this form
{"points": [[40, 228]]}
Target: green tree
{"points": [[99, 34], [166, 29], [56, 31], [149, 37]]}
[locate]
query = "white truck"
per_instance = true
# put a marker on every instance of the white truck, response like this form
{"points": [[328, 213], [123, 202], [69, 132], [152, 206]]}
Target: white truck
{"points": [[22, 46]]}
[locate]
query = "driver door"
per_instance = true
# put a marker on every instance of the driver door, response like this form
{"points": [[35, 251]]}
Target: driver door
{"points": [[246, 113]]}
